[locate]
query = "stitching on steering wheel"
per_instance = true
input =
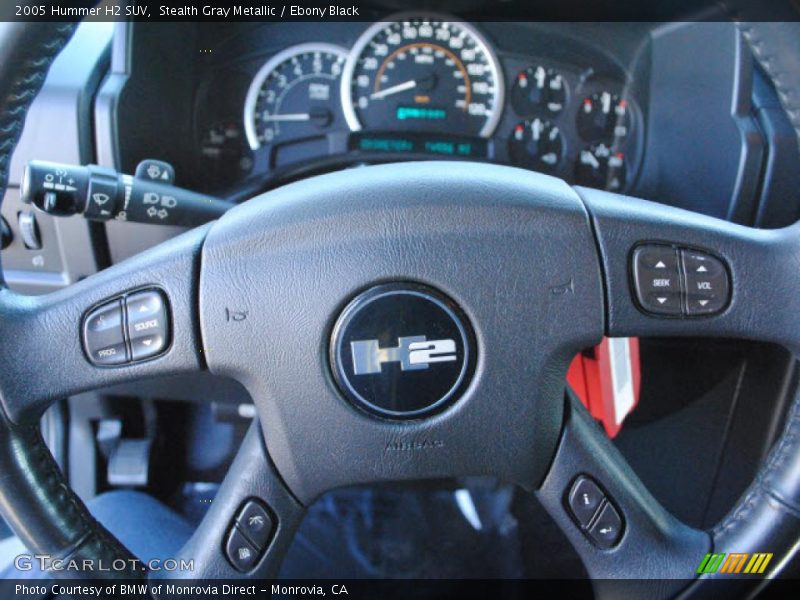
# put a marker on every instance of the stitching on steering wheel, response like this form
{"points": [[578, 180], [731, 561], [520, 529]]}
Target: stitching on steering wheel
{"points": [[789, 95], [768, 63], [763, 485], [23, 89]]}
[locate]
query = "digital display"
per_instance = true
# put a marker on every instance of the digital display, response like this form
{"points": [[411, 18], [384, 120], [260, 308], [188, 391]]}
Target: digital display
{"points": [[420, 113], [381, 144], [463, 147], [449, 148]]}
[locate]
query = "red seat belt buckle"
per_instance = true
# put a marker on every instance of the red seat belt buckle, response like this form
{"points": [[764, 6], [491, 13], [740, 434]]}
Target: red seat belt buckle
{"points": [[607, 380]]}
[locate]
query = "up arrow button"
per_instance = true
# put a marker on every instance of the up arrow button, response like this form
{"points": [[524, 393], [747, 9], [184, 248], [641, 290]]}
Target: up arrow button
{"points": [[657, 279], [707, 286]]}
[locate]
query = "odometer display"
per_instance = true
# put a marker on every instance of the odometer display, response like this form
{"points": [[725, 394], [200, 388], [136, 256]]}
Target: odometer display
{"points": [[433, 144], [422, 75]]}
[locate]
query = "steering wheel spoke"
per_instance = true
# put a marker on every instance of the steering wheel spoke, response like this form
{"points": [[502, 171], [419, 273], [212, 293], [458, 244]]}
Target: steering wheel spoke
{"points": [[611, 519], [250, 524], [45, 357], [761, 301]]}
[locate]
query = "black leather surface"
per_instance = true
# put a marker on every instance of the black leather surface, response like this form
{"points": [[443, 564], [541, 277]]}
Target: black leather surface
{"points": [[40, 507], [767, 517], [27, 50], [772, 32], [34, 497]]}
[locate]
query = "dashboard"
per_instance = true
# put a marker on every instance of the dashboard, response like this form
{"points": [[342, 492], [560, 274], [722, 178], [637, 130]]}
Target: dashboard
{"points": [[411, 87], [625, 105]]}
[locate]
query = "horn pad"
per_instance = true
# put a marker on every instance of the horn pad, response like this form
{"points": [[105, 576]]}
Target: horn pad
{"points": [[404, 321], [402, 351]]}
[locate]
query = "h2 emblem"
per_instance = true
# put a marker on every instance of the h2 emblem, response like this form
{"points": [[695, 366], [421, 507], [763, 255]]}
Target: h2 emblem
{"points": [[413, 353]]}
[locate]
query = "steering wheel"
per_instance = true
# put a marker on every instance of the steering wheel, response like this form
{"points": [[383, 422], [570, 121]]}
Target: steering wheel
{"points": [[406, 322]]}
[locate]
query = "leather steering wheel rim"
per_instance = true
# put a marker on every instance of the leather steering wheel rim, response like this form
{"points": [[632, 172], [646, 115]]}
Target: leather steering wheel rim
{"points": [[50, 518], [36, 501]]}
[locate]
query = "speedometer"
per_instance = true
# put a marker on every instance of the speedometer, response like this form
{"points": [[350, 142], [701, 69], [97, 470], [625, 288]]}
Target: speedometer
{"points": [[420, 74]]}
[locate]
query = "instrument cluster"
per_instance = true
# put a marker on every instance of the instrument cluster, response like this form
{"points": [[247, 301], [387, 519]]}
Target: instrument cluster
{"points": [[413, 87]]}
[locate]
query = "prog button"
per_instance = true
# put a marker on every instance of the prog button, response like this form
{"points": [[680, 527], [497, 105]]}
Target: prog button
{"points": [[104, 336]]}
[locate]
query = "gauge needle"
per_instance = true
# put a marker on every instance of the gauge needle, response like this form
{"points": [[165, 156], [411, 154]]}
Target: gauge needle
{"points": [[588, 158], [395, 89], [287, 117]]}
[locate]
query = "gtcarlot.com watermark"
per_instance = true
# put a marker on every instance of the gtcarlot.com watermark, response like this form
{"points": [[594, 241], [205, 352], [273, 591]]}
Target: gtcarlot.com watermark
{"points": [[46, 562]]}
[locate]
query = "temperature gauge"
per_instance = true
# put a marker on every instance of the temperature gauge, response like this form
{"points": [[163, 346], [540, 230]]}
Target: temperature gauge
{"points": [[536, 144], [538, 89], [604, 116], [599, 166]]}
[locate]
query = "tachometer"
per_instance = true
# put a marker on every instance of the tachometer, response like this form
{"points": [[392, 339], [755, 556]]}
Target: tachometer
{"points": [[420, 74], [295, 94]]}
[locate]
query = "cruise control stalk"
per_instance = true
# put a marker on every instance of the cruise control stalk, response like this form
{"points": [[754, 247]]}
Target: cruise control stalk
{"points": [[101, 194]]}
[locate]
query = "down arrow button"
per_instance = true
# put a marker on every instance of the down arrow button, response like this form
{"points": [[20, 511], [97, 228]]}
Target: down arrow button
{"points": [[707, 284], [148, 325]]}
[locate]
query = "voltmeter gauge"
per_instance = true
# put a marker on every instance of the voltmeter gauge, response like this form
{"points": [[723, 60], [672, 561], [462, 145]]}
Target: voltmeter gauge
{"points": [[538, 89], [536, 144], [604, 116], [600, 166]]}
